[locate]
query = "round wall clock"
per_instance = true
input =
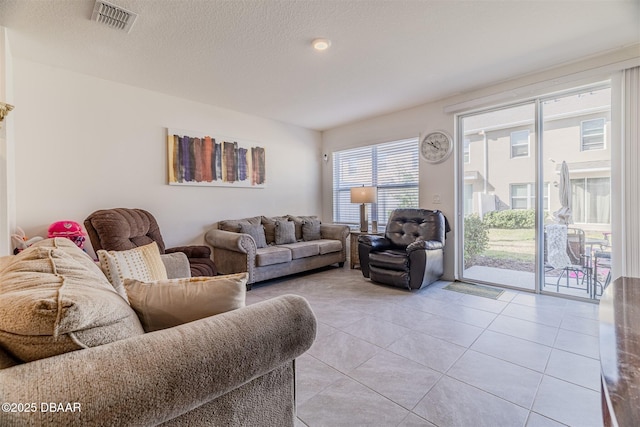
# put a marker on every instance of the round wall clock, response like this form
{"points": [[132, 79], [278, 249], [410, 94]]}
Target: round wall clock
{"points": [[436, 146]]}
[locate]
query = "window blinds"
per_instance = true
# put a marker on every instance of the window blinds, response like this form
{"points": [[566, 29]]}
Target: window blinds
{"points": [[391, 167]]}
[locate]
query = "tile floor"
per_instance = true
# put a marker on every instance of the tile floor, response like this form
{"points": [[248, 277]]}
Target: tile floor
{"points": [[388, 357]]}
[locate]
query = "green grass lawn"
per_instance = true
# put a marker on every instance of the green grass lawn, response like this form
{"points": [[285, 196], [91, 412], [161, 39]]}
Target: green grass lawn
{"points": [[518, 244]]}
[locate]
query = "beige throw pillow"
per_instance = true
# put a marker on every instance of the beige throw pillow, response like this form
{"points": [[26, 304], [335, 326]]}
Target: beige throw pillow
{"points": [[54, 299], [142, 263], [166, 303]]}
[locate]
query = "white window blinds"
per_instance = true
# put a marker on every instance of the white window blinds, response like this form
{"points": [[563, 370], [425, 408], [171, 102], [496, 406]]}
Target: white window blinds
{"points": [[391, 167]]}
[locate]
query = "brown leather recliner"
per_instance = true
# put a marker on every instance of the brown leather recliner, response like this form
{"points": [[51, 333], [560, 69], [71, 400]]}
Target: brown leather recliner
{"points": [[122, 229], [411, 253]]}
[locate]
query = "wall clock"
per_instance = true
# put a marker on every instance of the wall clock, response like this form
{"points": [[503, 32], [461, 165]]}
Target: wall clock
{"points": [[436, 146]]}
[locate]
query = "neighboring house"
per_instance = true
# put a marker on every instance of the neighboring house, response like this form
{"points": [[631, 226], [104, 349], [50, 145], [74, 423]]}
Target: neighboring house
{"points": [[500, 149]]}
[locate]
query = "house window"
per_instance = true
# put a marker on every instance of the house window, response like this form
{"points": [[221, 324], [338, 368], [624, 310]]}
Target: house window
{"points": [[523, 196], [391, 167], [520, 143], [592, 135], [466, 152], [591, 200]]}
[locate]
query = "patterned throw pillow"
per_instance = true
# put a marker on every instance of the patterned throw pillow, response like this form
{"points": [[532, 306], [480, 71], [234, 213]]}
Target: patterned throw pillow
{"points": [[167, 303], [311, 230], [141, 263], [255, 231], [285, 232]]}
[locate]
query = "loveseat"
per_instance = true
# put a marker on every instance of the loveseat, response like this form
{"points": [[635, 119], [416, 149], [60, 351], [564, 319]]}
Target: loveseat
{"points": [[270, 247], [88, 362]]}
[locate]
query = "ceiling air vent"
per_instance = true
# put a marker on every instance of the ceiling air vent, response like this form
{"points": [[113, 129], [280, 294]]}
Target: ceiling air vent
{"points": [[113, 16]]}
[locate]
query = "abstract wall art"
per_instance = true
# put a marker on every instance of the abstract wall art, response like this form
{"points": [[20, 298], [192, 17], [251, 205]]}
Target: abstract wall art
{"points": [[195, 158]]}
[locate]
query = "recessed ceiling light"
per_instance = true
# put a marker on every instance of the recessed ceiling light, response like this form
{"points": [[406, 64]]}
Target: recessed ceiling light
{"points": [[321, 44]]}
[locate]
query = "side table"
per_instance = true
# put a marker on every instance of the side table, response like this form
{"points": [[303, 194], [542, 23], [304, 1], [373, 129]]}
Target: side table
{"points": [[353, 243]]}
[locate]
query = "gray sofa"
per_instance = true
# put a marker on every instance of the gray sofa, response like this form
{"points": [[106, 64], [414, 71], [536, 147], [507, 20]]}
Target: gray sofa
{"points": [[236, 252], [232, 369]]}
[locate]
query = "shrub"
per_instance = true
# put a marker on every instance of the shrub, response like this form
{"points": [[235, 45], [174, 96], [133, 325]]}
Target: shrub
{"points": [[476, 237], [511, 219]]}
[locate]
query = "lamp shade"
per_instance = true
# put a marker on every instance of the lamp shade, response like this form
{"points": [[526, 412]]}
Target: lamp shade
{"points": [[364, 194]]}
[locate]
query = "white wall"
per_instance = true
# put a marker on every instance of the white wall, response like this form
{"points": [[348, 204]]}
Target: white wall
{"points": [[440, 115], [7, 187], [84, 144]]}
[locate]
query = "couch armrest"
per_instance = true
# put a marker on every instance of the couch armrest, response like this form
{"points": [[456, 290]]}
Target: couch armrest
{"points": [[158, 376], [195, 251], [376, 243], [334, 232], [425, 245], [177, 265], [238, 242]]}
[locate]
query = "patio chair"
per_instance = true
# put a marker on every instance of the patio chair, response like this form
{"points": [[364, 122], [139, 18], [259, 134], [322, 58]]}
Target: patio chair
{"points": [[565, 250], [602, 261]]}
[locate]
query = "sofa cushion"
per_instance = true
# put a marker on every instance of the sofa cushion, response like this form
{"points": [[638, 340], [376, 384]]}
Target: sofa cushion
{"points": [[234, 224], [327, 246], [54, 299], [255, 231], [302, 249], [311, 230], [272, 255], [141, 263], [285, 232], [166, 303], [299, 221], [269, 224]]}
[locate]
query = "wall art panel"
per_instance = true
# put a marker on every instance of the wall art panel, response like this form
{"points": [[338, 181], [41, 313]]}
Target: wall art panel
{"points": [[195, 158]]}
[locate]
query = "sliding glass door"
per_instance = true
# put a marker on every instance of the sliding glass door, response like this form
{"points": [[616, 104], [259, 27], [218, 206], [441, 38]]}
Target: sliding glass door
{"points": [[499, 179], [576, 142], [534, 186]]}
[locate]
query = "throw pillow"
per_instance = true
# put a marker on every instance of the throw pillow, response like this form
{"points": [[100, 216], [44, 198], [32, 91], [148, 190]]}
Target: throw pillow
{"points": [[234, 224], [255, 231], [298, 221], [166, 303], [311, 230], [269, 225], [285, 232], [54, 299], [141, 263]]}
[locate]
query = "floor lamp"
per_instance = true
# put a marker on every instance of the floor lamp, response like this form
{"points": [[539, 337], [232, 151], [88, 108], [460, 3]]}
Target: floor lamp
{"points": [[364, 195]]}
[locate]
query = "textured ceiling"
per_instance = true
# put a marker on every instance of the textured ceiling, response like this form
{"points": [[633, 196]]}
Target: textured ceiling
{"points": [[254, 56]]}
